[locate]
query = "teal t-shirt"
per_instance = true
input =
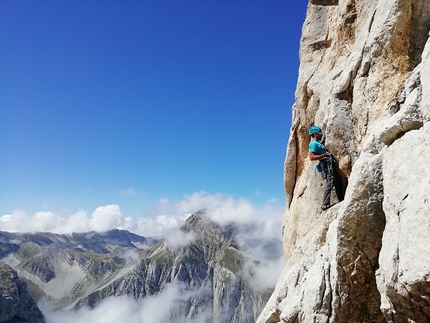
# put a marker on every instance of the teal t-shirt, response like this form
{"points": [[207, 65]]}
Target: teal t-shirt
{"points": [[316, 147]]}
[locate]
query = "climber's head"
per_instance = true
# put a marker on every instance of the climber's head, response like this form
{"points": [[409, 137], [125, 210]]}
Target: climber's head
{"points": [[315, 131]]}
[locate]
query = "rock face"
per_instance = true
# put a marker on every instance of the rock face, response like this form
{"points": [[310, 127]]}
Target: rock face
{"points": [[16, 304], [365, 79]]}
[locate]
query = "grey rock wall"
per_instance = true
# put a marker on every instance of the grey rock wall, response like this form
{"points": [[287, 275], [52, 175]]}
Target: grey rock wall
{"points": [[365, 79]]}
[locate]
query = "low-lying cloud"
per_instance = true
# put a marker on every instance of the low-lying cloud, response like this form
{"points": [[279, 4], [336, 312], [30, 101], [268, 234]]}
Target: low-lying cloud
{"points": [[153, 309], [102, 219], [176, 238]]}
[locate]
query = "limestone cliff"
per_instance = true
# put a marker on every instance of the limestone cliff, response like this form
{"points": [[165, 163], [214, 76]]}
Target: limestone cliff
{"points": [[365, 79]]}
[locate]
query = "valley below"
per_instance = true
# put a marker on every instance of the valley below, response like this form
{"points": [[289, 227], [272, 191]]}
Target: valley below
{"points": [[208, 273]]}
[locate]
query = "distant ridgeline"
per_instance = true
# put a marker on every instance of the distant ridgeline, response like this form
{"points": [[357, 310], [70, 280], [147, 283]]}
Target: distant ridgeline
{"points": [[211, 272]]}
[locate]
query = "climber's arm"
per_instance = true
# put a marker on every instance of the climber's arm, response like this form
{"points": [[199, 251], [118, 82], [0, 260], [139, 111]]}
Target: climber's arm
{"points": [[313, 156]]}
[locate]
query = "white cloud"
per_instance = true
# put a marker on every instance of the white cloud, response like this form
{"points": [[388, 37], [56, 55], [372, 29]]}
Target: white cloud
{"points": [[177, 239], [263, 275], [221, 208], [107, 217], [153, 309], [102, 219], [131, 255], [155, 226]]}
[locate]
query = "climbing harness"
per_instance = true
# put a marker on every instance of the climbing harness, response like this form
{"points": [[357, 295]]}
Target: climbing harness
{"points": [[325, 166]]}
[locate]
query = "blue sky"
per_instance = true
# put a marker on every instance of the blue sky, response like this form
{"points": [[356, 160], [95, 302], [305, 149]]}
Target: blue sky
{"points": [[126, 102]]}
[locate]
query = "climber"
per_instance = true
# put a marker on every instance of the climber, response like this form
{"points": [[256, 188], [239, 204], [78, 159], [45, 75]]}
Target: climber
{"points": [[317, 151]]}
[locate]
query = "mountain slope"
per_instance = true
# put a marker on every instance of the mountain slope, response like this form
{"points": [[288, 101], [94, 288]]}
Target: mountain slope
{"points": [[16, 304], [65, 268], [208, 272]]}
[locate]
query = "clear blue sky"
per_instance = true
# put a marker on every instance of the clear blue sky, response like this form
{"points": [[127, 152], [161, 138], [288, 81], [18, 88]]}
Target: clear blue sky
{"points": [[125, 102]]}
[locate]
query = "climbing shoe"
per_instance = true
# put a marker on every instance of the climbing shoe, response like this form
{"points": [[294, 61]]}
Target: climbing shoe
{"points": [[325, 207]]}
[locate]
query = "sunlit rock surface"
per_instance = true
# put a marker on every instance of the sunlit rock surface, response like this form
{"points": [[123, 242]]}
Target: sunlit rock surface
{"points": [[365, 79]]}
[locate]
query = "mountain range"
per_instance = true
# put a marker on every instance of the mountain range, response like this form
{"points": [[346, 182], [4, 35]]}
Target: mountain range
{"points": [[206, 264]]}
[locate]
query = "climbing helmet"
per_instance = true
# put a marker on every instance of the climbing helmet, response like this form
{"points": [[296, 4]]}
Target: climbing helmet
{"points": [[314, 129]]}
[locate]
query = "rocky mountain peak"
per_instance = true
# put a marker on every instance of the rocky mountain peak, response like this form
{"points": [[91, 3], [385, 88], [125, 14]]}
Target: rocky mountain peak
{"points": [[203, 226], [196, 220]]}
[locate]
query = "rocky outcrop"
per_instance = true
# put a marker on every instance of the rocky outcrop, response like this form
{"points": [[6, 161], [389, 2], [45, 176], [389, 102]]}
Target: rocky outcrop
{"points": [[364, 78], [16, 304]]}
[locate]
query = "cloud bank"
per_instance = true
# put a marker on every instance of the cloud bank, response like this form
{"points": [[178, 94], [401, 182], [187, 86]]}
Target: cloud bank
{"points": [[102, 219], [168, 215], [153, 309]]}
